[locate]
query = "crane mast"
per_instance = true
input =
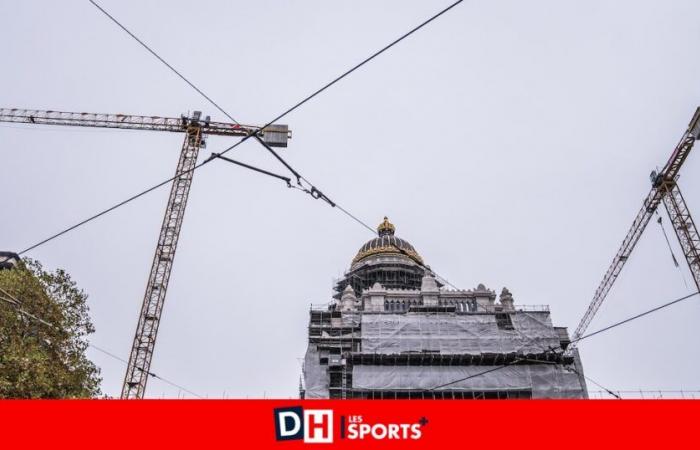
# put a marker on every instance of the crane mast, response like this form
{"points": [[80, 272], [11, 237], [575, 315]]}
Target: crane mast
{"points": [[149, 319], [664, 189], [195, 129]]}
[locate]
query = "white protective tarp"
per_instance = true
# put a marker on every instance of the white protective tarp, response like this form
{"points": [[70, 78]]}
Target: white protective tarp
{"points": [[545, 380], [457, 333], [315, 375]]}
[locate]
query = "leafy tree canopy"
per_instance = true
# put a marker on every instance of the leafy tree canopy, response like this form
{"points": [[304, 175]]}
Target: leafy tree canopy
{"points": [[39, 360]]}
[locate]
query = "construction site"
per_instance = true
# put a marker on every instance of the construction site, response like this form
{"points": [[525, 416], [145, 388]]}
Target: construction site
{"points": [[402, 341], [524, 228]]}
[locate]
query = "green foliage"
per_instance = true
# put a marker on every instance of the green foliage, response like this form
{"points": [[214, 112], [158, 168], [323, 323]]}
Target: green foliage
{"points": [[38, 360]]}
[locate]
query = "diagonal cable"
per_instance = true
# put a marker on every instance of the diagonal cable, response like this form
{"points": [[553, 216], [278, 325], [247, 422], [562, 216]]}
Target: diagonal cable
{"points": [[152, 52], [308, 188], [136, 196], [629, 319], [609, 391], [607, 328], [365, 61]]}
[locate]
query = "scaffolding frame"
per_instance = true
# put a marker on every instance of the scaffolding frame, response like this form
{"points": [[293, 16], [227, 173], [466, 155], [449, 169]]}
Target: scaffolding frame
{"points": [[337, 337]]}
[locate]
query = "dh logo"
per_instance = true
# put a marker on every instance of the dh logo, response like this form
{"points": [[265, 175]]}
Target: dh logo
{"points": [[314, 426]]}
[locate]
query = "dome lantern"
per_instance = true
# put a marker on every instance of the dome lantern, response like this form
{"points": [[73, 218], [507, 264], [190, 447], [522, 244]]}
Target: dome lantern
{"points": [[386, 228]]}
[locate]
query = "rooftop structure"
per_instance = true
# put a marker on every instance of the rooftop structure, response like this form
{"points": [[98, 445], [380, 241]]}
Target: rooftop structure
{"points": [[393, 330], [8, 260]]}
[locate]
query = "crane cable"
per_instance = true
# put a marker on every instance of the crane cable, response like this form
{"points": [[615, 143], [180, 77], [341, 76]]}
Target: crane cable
{"points": [[670, 249]]}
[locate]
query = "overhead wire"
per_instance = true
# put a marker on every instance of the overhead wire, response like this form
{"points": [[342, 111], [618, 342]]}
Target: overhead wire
{"points": [[493, 369], [609, 327], [228, 149], [14, 301], [317, 194], [313, 190], [365, 61], [152, 52], [637, 316], [609, 391], [102, 213], [154, 375], [308, 97]]}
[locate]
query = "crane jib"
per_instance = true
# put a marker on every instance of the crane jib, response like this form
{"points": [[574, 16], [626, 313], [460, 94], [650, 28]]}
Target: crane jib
{"points": [[664, 189], [275, 135]]}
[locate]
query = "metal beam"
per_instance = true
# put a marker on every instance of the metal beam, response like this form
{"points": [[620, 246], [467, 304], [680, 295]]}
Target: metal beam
{"points": [[274, 135], [149, 319], [685, 229]]}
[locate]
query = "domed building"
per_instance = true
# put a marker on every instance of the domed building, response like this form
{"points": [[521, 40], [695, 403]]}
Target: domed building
{"points": [[387, 260], [392, 330]]}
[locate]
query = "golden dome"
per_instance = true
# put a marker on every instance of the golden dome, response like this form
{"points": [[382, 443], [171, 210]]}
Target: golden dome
{"points": [[387, 243]]}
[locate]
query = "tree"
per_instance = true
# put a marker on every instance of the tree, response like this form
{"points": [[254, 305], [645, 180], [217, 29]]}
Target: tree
{"points": [[44, 356]]}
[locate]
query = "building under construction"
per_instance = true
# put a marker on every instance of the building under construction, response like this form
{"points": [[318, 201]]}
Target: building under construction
{"points": [[394, 331]]}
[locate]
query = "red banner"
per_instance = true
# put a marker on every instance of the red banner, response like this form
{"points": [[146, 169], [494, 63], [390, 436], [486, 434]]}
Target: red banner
{"points": [[286, 424]]}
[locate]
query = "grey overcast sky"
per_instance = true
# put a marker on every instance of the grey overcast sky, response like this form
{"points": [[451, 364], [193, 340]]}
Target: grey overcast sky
{"points": [[510, 142]]}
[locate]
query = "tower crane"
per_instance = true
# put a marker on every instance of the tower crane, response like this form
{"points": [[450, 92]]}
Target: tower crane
{"points": [[195, 129], [664, 188]]}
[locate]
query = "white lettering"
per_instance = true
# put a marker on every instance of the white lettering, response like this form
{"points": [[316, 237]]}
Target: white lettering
{"points": [[416, 431], [318, 426], [379, 431], [283, 423], [352, 431], [393, 431]]}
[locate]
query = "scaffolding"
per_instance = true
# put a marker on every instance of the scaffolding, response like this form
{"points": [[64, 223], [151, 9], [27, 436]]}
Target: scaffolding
{"points": [[397, 274], [406, 355], [332, 337]]}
